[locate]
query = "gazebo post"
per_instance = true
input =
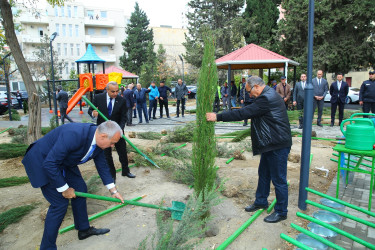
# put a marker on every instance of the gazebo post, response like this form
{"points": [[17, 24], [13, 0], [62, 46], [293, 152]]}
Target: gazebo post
{"points": [[294, 76], [229, 77], [286, 71], [269, 75]]}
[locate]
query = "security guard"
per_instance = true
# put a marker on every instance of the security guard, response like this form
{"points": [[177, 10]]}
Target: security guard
{"points": [[367, 94]]}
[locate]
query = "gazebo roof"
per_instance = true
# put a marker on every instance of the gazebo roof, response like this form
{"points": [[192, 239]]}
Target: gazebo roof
{"points": [[253, 56], [90, 56], [125, 74]]}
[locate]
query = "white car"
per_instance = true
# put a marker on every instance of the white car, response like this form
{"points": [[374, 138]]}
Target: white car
{"points": [[353, 96]]}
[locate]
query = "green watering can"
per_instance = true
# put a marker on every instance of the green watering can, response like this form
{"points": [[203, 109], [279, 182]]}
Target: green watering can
{"points": [[360, 133]]}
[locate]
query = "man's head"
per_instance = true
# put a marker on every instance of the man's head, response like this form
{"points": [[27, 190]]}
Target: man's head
{"points": [[153, 84], [225, 84], [179, 81], [283, 79], [243, 80], [303, 77], [372, 74], [107, 134], [273, 82], [130, 86], [18, 91], [231, 82], [139, 86], [112, 89], [161, 83], [254, 86], [59, 88], [339, 76], [319, 74]]}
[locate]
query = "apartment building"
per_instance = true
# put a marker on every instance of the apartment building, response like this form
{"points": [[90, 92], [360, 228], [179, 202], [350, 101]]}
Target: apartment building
{"points": [[77, 26]]}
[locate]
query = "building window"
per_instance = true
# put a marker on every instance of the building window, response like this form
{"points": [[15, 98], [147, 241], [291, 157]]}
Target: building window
{"points": [[56, 11], [72, 67], [78, 49], [70, 30], [105, 49], [59, 49], [104, 32], [75, 11], [77, 30], [90, 14], [72, 49], [103, 14], [91, 31], [58, 28], [40, 32], [65, 49], [64, 30], [69, 11], [62, 11], [66, 68]]}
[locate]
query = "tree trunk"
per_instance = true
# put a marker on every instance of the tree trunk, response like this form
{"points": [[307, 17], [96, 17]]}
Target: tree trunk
{"points": [[34, 125]]}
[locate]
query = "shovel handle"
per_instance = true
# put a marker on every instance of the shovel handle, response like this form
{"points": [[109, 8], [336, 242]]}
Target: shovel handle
{"points": [[356, 114]]}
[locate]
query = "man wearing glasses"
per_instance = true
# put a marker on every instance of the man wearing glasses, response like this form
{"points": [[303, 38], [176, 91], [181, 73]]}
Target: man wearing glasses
{"points": [[271, 137], [367, 94]]}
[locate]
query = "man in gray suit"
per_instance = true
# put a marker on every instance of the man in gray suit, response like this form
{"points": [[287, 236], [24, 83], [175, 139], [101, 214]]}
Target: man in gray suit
{"points": [[62, 97], [299, 97], [320, 91]]}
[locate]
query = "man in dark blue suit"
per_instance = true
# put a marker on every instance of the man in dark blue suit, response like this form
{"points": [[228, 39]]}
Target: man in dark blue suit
{"points": [[339, 91], [51, 165]]}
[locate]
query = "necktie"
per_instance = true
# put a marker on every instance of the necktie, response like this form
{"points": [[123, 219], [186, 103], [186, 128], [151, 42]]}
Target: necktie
{"points": [[87, 157], [319, 82], [110, 107]]}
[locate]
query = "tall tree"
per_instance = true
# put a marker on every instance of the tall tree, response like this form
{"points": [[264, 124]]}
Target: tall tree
{"points": [[149, 67], [137, 42], [223, 18], [261, 20], [342, 34], [164, 71]]}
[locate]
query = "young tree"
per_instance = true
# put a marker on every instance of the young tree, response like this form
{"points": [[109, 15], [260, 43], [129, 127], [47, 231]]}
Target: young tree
{"points": [[342, 34], [223, 18], [138, 40], [164, 71]]}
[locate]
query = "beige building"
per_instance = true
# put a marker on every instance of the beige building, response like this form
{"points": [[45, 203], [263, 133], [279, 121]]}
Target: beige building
{"points": [[77, 26]]}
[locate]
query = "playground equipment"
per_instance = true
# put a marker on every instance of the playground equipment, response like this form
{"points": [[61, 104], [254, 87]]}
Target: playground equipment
{"points": [[177, 208]]}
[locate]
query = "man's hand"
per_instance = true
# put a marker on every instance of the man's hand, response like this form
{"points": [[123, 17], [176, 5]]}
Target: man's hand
{"points": [[156, 97], [95, 113], [211, 117], [161, 98], [170, 93], [294, 103], [285, 99], [241, 101], [361, 103], [69, 193], [118, 196], [226, 95]]}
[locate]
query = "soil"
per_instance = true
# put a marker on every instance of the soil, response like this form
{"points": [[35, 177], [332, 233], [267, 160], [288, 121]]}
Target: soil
{"points": [[130, 225]]}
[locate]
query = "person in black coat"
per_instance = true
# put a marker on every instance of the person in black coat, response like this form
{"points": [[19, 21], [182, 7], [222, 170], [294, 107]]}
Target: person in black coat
{"points": [[163, 98], [114, 108], [339, 91], [63, 99], [130, 104], [367, 94]]}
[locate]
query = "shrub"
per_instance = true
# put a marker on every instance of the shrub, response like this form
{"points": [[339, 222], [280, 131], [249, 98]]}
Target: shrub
{"points": [[20, 135], [168, 149], [93, 184], [15, 115], [182, 134], [14, 215], [12, 150], [242, 134], [25, 106], [149, 135], [13, 181], [224, 150]]}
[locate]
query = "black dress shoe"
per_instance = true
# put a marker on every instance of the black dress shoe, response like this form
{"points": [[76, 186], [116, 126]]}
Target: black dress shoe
{"points": [[130, 125], [332, 124], [319, 124], [300, 126], [254, 207], [129, 175], [154, 118], [274, 218], [92, 231], [245, 124], [168, 116]]}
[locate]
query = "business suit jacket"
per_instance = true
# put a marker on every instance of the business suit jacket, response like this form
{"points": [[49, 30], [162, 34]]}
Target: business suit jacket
{"points": [[322, 89], [118, 111], [63, 99], [337, 94], [299, 93], [60, 149], [129, 99], [280, 90]]}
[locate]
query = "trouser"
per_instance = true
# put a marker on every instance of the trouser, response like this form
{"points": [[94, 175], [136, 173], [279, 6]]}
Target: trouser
{"points": [[300, 104], [367, 106], [182, 101], [59, 205], [152, 108], [233, 101], [320, 105], [123, 156], [20, 103], [135, 113], [341, 111], [225, 103], [142, 107], [216, 107], [164, 103], [63, 115], [273, 167], [129, 116]]}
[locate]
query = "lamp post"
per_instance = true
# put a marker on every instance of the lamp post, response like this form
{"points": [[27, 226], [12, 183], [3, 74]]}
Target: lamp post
{"points": [[183, 71], [8, 87], [53, 36]]}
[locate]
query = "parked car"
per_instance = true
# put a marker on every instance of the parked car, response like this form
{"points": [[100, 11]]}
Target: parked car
{"points": [[353, 96], [4, 99], [192, 91]]}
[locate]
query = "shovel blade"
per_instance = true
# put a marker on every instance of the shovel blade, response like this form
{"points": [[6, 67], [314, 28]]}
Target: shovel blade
{"points": [[178, 209]]}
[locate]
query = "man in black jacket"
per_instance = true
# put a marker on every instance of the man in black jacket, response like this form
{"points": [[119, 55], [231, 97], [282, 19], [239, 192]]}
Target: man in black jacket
{"points": [[114, 108], [163, 98], [367, 94], [63, 99], [339, 91], [271, 137]]}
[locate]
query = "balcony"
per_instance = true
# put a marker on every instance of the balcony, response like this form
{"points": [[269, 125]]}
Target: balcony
{"points": [[101, 22], [30, 39], [30, 57], [95, 40], [108, 57], [32, 19]]}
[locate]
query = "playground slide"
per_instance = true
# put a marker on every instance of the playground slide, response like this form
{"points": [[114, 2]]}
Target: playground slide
{"points": [[75, 98]]}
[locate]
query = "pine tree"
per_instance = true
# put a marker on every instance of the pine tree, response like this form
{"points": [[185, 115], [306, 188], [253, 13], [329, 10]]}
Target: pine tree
{"points": [[261, 19], [342, 34], [137, 43], [223, 18], [148, 69], [164, 71], [204, 144]]}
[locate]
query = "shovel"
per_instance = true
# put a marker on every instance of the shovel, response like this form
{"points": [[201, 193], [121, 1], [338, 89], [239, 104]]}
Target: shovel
{"points": [[177, 208]]}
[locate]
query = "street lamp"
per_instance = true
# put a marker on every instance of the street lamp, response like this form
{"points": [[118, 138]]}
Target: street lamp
{"points": [[8, 87], [53, 36], [183, 71]]}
